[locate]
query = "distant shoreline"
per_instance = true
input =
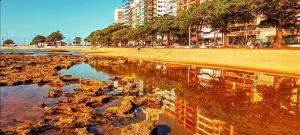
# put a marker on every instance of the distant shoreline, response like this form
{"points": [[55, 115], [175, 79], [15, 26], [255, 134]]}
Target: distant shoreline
{"points": [[282, 62]]}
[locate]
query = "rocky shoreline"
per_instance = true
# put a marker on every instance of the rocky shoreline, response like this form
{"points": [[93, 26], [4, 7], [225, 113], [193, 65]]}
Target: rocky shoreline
{"points": [[89, 105]]}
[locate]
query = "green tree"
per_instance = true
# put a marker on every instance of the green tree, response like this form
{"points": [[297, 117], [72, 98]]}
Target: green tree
{"points": [[77, 40], [54, 37], [223, 13], [197, 18], [165, 26], [122, 36], [181, 21], [8, 42], [104, 36], [281, 14], [38, 39]]}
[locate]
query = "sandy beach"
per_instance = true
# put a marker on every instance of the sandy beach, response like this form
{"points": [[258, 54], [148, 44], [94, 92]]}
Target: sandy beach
{"points": [[274, 61]]}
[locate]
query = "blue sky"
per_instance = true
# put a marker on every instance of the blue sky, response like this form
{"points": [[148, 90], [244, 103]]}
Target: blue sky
{"points": [[26, 18]]}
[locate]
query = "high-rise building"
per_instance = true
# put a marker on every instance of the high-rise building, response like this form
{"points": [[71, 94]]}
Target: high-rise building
{"points": [[126, 6], [151, 10], [171, 7], [142, 11], [119, 15], [139, 12], [184, 4], [161, 7]]}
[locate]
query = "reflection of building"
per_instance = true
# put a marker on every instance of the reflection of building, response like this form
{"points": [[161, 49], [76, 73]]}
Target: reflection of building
{"points": [[239, 80], [206, 75], [295, 98], [186, 114], [168, 97], [208, 126]]}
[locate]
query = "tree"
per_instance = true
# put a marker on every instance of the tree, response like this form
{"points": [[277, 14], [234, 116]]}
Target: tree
{"points": [[122, 35], [38, 39], [197, 17], [181, 21], [54, 37], [281, 14], [104, 36], [77, 40], [8, 42], [164, 26], [223, 13]]}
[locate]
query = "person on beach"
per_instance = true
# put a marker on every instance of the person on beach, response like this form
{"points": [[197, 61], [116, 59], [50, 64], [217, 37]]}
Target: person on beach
{"points": [[139, 48]]}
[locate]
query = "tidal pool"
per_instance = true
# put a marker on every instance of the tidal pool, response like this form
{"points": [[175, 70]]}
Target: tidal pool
{"points": [[23, 103], [196, 99], [210, 100], [39, 52], [85, 71]]}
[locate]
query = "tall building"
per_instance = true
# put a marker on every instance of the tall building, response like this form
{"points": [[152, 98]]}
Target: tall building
{"points": [[119, 15], [142, 11], [161, 7], [184, 4], [151, 10], [126, 6], [139, 12], [171, 7]]}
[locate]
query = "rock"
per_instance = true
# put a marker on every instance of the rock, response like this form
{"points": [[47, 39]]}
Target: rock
{"points": [[54, 93], [122, 110], [141, 128], [48, 110], [63, 121]]}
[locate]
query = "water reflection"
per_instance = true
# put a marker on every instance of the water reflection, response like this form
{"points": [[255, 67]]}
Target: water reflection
{"points": [[215, 100], [39, 52], [85, 71], [23, 103]]}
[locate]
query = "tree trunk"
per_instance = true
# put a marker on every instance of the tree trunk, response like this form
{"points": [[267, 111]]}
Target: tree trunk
{"points": [[173, 37], [225, 40], [162, 39], [279, 34], [197, 40], [168, 40], [181, 39]]}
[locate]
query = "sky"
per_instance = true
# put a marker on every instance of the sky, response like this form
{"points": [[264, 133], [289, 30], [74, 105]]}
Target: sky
{"points": [[23, 19]]}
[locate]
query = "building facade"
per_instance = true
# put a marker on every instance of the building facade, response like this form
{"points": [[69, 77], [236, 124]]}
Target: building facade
{"points": [[185, 4], [119, 15], [138, 12], [161, 7], [126, 6], [171, 7]]}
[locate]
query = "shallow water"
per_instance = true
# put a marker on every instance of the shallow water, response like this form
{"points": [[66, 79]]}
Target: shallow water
{"points": [[39, 52], [248, 102], [23, 103], [85, 71], [194, 98]]}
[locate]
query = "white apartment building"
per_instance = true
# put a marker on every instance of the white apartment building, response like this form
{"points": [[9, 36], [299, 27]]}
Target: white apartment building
{"points": [[139, 12], [161, 7], [171, 7], [118, 15], [126, 11]]}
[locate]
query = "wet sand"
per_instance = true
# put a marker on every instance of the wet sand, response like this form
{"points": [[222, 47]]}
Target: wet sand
{"points": [[265, 60]]}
